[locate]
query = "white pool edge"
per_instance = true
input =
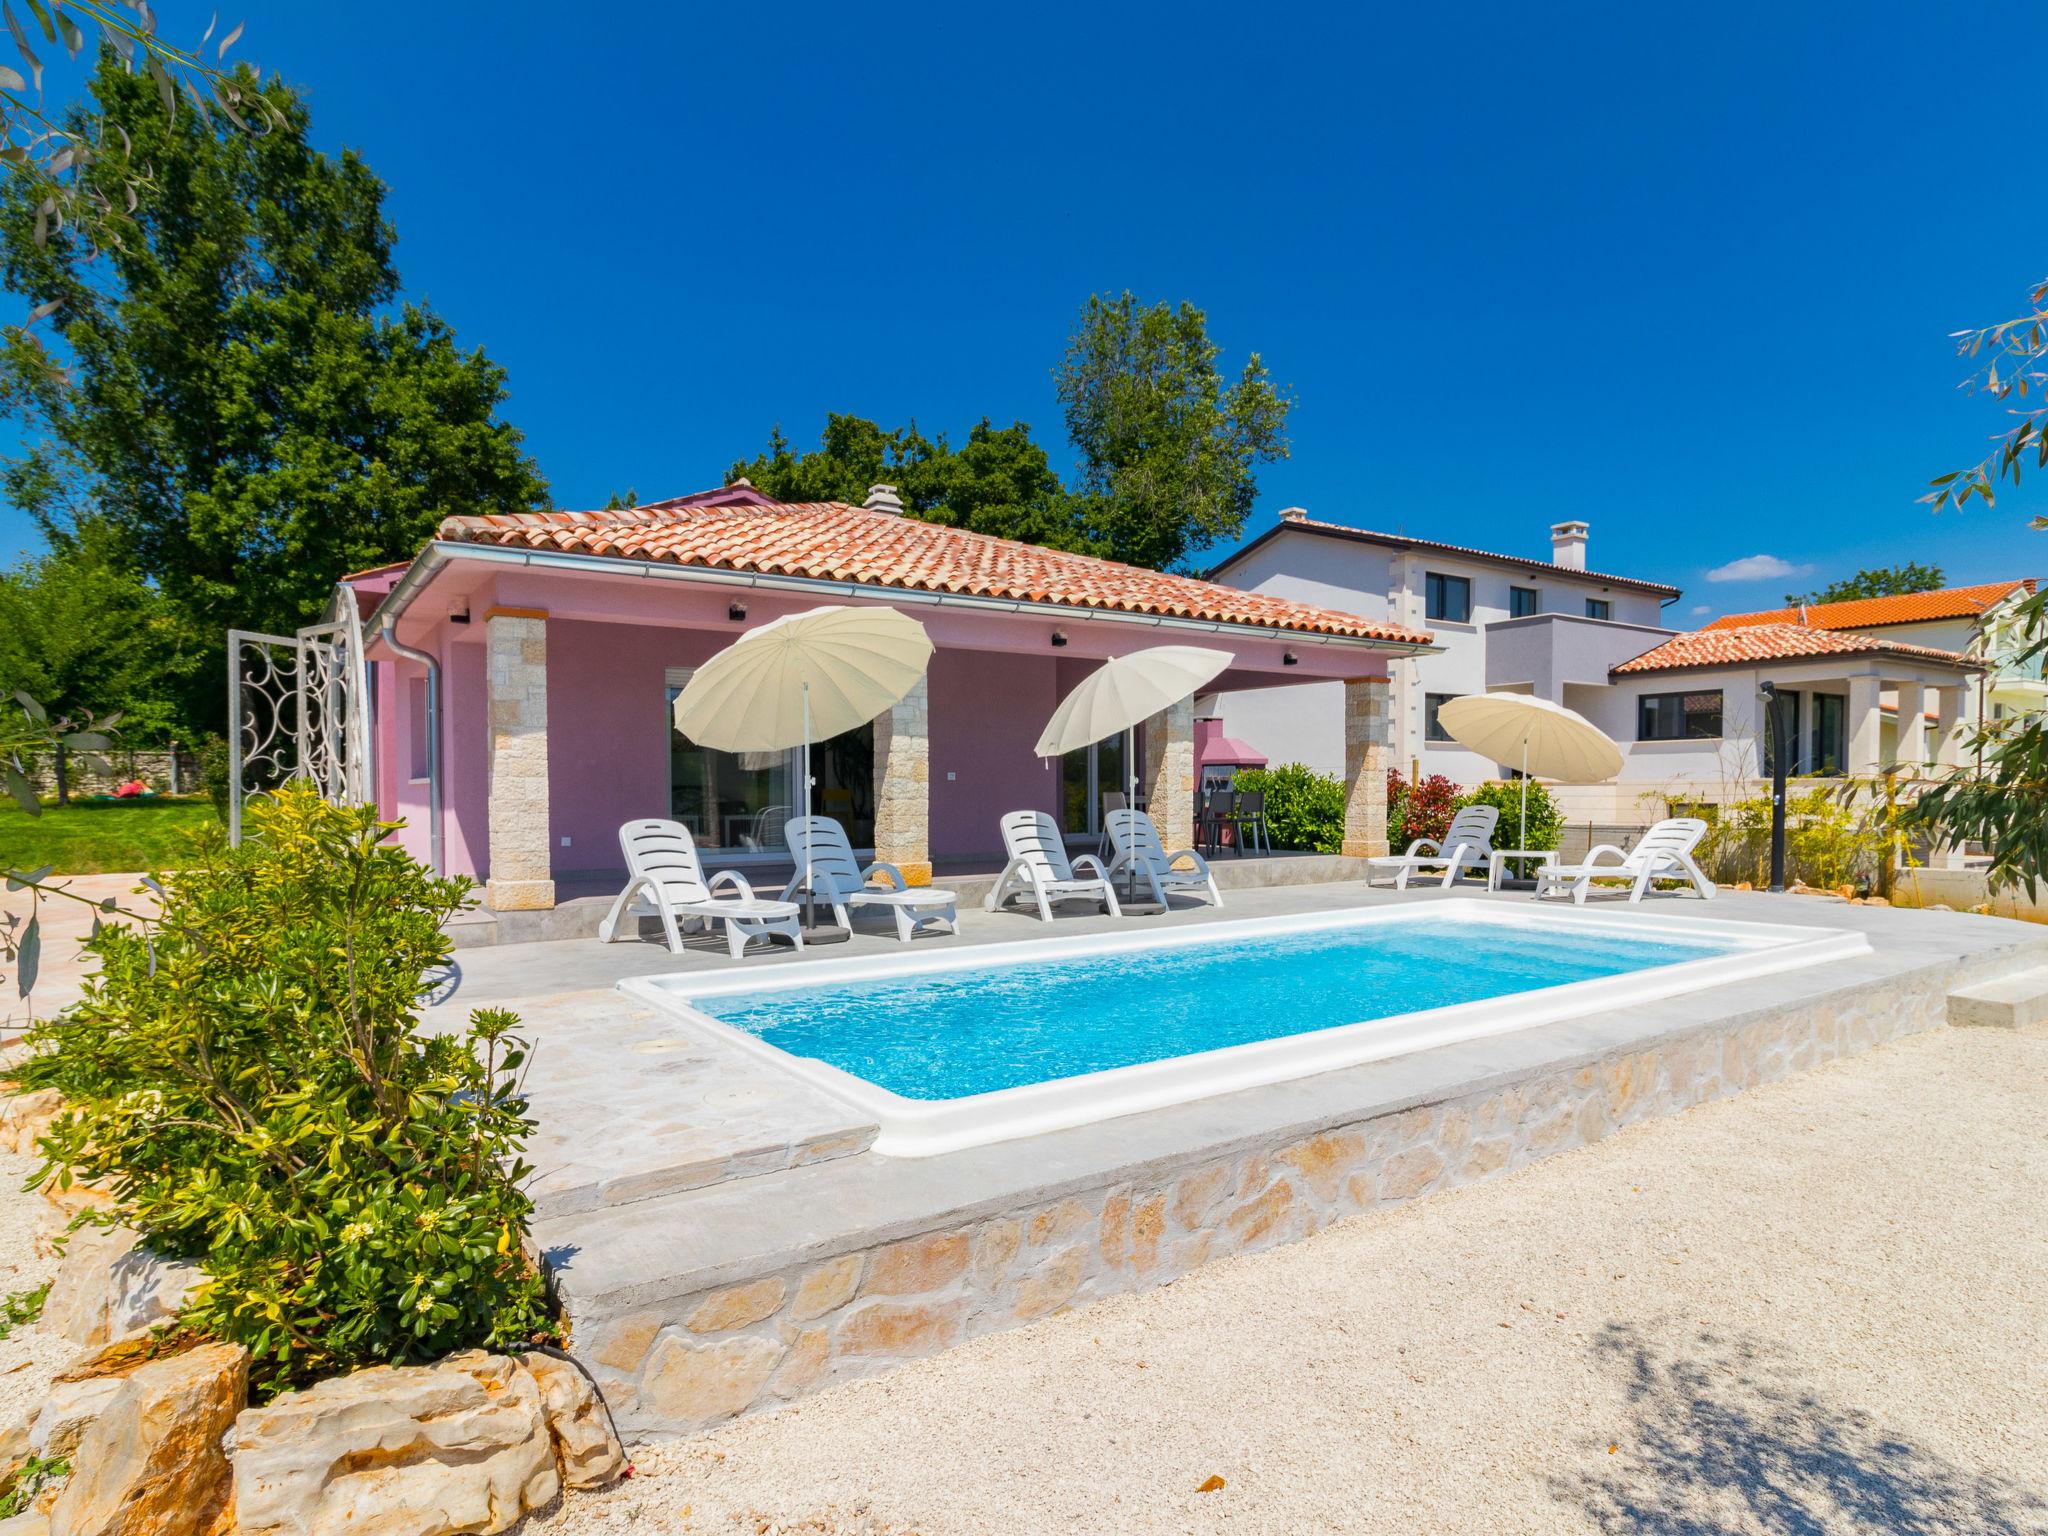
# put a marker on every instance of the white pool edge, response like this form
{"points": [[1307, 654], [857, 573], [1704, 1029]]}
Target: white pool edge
{"points": [[923, 1128]]}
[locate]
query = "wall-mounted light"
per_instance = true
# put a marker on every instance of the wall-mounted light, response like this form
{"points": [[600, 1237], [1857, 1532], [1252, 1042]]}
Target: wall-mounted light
{"points": [[1289, 659], [1059, 638], [459, 613], [737, 613]]}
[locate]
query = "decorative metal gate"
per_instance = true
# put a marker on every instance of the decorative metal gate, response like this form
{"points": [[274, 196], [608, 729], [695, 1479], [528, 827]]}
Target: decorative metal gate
{"points": [[300, 708]]}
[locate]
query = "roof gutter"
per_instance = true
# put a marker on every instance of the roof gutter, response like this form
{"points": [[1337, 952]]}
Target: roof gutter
{"points": [[442, 552]]}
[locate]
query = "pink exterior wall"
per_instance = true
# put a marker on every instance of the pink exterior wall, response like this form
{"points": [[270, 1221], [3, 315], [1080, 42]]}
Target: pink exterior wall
{"points": [[995, 679], [987, 708], [608, 730]]}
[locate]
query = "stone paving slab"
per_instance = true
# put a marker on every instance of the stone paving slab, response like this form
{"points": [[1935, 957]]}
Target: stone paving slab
{"points": [[630, 1108]]}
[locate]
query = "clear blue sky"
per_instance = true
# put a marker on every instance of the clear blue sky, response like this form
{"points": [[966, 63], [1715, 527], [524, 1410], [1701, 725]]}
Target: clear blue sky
{"points": [[1687, 277]]}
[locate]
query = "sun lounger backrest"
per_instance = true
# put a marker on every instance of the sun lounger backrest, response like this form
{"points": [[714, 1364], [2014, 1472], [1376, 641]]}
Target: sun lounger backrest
{"points": [[1679, 835], [1133, 834], [830, 855], [665, 852], [1474, 824], [1033, 837]]}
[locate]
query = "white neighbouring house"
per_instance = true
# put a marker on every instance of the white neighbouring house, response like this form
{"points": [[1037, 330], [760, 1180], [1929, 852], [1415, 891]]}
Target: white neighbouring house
{"points": [[1686, 707]]}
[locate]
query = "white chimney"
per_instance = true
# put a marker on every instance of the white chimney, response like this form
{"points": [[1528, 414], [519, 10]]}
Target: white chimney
{"points": [[883, 498], [1294, 514], [1568, 546]]}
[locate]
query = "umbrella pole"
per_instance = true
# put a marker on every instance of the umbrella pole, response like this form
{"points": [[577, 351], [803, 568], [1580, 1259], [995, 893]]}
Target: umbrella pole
{"points": [[1522, 824], [810, 894], [1131, 801]]}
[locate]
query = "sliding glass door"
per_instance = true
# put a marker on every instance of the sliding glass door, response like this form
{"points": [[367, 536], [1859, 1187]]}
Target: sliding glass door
{"points": [[737, 802]]}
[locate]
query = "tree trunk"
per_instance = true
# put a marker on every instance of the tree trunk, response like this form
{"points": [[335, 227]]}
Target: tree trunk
{"points": [[63, 783]]}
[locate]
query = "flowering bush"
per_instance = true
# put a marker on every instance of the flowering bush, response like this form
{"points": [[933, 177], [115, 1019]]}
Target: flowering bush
{"points": [[250, 1082], [1421, 809], [1304, 809]]}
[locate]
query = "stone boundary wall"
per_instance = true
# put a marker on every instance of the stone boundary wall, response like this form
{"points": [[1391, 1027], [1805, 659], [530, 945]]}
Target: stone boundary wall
{"points": [[153, 768], [748, 1347]]}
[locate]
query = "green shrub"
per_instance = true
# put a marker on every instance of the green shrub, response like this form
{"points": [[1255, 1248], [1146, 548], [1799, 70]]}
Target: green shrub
{"points": [[215, 774], [1304, 809], [1505, 796], [251, 1083], [1833, 837]]}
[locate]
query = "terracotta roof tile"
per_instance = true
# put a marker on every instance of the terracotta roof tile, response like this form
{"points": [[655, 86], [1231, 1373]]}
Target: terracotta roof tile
{"points": [[832, 541], [1875, 612], [1774, 642]]}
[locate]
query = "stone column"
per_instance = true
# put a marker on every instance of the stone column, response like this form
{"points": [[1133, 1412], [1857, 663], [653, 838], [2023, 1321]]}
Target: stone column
{"points": [[903, 786], [1366, 741], [1864, 728], [516, 659], [1912, 754], [1170, 772], [1948, 719]]}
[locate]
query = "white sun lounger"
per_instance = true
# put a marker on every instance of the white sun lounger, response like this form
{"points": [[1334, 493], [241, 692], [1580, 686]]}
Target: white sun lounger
{"points": [[820, 847], [666, 880], [1136, 842], [1662, 853], [1039, 868], [1466, 845]]}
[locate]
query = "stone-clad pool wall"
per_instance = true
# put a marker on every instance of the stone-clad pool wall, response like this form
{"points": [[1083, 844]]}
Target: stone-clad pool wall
{"points": [[750, 1346]]}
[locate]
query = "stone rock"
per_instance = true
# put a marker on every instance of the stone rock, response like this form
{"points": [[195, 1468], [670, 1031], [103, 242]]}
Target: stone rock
{"points": [[145, 1289], [69, 1410], [1052, 1285], [826, 1288], [152, 1463], [737, 1306], [458, 1446], [917, 1264], [882, 1328], [587, 1451], [25, 1116], [32, 1522], [702, 1383], [108, 1287], [76, 1308]]}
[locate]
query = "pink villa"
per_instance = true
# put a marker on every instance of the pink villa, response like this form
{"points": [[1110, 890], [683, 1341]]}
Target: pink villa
{"points": [[522, 669]]}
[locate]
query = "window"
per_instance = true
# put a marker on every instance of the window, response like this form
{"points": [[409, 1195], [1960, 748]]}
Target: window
{"points": [[1523, 602], [1447, 598], [1432, 729], [1599, 608], [1678, 716], [418, 758]]}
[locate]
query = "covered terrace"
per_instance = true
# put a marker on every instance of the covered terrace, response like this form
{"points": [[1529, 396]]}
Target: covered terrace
{"points": [[524, 667]]}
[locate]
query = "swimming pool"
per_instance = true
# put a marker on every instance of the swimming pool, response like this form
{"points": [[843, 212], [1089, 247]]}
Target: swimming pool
{"points": [[980, 1043]]}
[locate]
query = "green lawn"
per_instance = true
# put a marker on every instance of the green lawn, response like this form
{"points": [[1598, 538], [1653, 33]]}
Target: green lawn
{"points": [[96, 837]]}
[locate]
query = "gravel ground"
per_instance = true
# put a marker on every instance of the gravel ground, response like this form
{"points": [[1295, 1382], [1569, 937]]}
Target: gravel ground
{"points": [[1821, 1308], [28, 1359]]}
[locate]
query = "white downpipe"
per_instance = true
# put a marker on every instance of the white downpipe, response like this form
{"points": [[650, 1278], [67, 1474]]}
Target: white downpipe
{"points": [[433, 667]]}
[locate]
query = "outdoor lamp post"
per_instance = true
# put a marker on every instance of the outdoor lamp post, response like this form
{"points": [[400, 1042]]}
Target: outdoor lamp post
{"points": [[1777, 736]]}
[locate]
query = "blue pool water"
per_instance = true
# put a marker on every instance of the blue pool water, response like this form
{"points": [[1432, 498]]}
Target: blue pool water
{"points": [[946, 1034]]}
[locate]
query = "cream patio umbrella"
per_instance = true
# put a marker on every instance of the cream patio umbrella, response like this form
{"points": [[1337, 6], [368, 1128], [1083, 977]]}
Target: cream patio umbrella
{"points": [[804, 677], [1121, 693], [1545, 738]]}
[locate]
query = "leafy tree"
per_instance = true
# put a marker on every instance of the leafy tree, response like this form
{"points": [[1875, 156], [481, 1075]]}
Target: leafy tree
{"points": [[1885, 581], [1999, 796], [2020, 345], [84, 634], [1167, 450], [998, 482], [248, 415], [78, 175]]}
